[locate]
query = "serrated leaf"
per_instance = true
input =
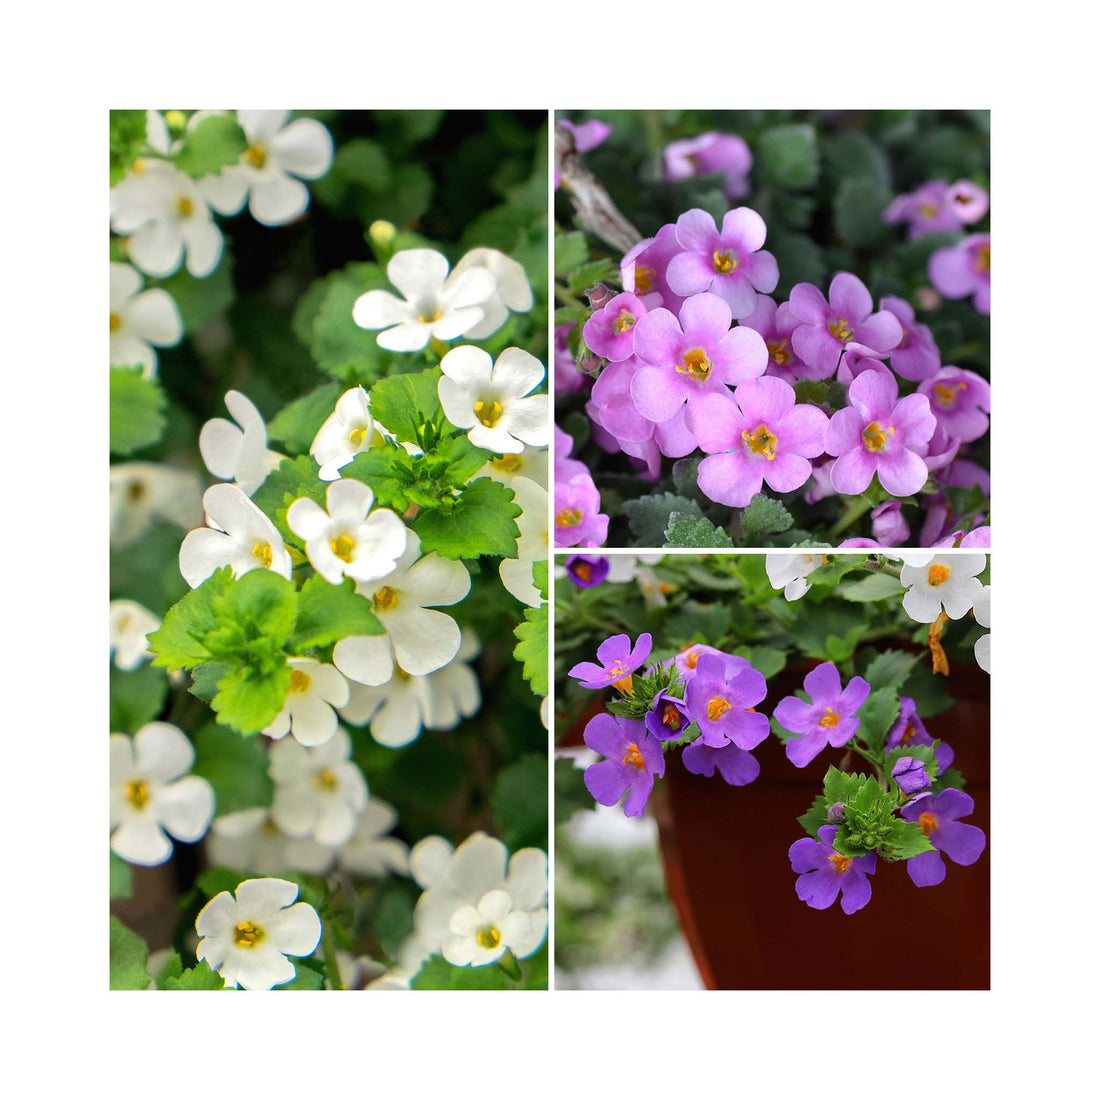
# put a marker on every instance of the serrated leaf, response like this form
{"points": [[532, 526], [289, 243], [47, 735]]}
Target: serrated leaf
{"points": [[570, 251], [876, 716], [236, 767], [482, 521], [841, 786], [837, 566], [437, 973], [137, 406], [390, 473], [137, 697], [200, 976], [127, 138], [540, 577], [338, 345], [878, 586], [816, 816], [128, 958], [329, 612], [890, 668], [649, 515], [179, 641], [694, 531], [764, 516], [291, 479], [405, 402], [904, 840], [520, 802], [261, 605], [298, 424], [213, 144], [588, 274], [533, 647], [206, 677], [248, 701]]}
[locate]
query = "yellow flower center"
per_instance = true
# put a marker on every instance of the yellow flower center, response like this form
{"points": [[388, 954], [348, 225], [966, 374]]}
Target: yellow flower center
{"points": [[507, 464], [256, 155], [634, 757], [981, 260], [357, 435], [692, 658], [829, 719], [185, 206], [724, 262], [299, 681], [874, 438], [135, 490], [139, 167], [262, 551], [937, 574], [716, 708], [583, 569], [116, 321], [489, 938], [326, 780], [696, 364], [625, 322], [385, 599], [568, 517], [760, 442], [643, 279], [928, 210], [779, 352], [429, 318], [247, 934], [671, 717], [927, 823], [841, 329], [137, 793], [488, 412], [343, 546], [840, 863], [947, 393]]}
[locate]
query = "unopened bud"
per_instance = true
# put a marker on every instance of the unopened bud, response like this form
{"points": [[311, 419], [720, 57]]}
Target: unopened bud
{"points": [[599, 295]]}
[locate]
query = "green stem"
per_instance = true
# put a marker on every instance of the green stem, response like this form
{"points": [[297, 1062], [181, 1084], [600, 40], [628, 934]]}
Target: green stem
{"points": [[855, 509], [510, 965], [328, 946]]}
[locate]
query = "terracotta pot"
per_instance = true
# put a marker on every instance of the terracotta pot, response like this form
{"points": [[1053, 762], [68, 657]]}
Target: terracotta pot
{"points": [[725, 855]]}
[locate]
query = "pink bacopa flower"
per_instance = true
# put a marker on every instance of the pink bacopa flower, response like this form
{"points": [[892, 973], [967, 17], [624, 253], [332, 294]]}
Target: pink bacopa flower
{"points": [[960, 402], [877, 433], [925, 210], [775, 324], [609, 332], [644, 270], [612, 408], [567, 378], [962, 271], [828, 327], [691, 356], [727, 262], [577, 517], [586, 137], [759, 434], [968, 201], [709, 154], [916, 357], [888, 524]]}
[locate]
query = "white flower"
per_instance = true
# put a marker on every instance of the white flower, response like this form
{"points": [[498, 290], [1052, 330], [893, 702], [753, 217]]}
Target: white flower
{"points": [[544, 711], [490, 399], [627, 567], [981, 613], [165, 217], [130, 626], [485, 905], [239, 535], [533, 544], [945, 582], [238, 453], [145, 491], [789, 572], [437, 701], [247, 938], [249, 840], [265, 174], [350, 430], [531, 463], [358, 972], [318, 792], [140, 319], [435, 305], [152, 795], [345, 541], [314, 690], [370, 852], [418, 639], [513, 290]]}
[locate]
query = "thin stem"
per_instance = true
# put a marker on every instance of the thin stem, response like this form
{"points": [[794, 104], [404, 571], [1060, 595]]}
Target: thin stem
{"points": [[855, 509], [328, 946]]}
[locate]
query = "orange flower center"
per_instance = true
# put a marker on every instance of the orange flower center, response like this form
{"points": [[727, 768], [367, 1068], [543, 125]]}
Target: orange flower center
{"points": [[874, 438], [716, 708], [760, 442], [946, 393], [981, 260], [671, 717], [583, 570], [779, 352], [625, 322], [299, 681], [841, 329], [829, 719], [634, 757], [696, 364], [937, 574], [568, 517], [643, 279], [840, 863], [928, 823], [908, 735]]}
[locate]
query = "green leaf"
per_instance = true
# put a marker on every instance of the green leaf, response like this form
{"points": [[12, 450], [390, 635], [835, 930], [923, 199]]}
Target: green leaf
{"points": [[338, 345], [533, 647], [816, 816], [649, 515], [201, 300], [329, 612], [137, 410], [137, 697], [206, 677], [127, 139], [129, 957], [255, 615], [482, 521], [830, 572], [868, 820], [928, 691], [389, 472], [520, 802], [540, 577], [903, 840], [767, 661], [536, 969], [852, 154], [787, 155], [291, 479], [248, 701], [876, 716], [306, 976], [236, 767], [952, 777], [218, 880], [841, 786], [437, 973], [570, 250], [213, 144], [800, 258], [200, 976], [890, 668], [588, 274], [694, 531], [857, 212], [298, 424], [764, 516], [878, 586], [179, 641], [122, 878], [405, 402]]}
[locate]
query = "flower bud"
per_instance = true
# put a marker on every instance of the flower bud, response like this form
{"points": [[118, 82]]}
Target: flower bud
{"points": [[910, 776]]}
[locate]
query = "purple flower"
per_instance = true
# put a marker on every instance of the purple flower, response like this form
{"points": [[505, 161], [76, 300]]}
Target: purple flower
{"points": [[634, 760], [610, 331], [909, 730], [775, 324], [926, 210], [729, 263], [758, 434], [709, 154], [880, 434], [736, 766], [587, 570], [612, 408], [960, 402], [687, 358], [888, 524], [978, 537], [823, 873], [577, 517], [963, 271], [688, 658], [564, 466], [667, 718], [910, 776], [617, 661], [938, 818], [828, 718], [721, 698], [567, 378], [830, 326], [645, 266], [854, 363], [916, 357], [586, 136], [968, 201]]}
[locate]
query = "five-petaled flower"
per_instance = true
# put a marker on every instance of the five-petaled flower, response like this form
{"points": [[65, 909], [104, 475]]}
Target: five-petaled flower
{"points": [[824, 872], [829, 718], [938, 818], [633, 761], [618, 660]]}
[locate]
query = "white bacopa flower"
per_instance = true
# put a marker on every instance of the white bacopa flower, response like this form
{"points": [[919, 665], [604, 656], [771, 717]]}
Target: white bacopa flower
{"points": [[349, 540], [238, 452], [314, 690], [419, 640], [131, 624], [981, 613], [627, 567], [140, 319], [533, 544], [789, 572], [513, 291], [350, 430], [484, 904], [162, 212], [531, 463], [491, 399], [319, 792], [544, 711], [435, 305], [152, 795], [270, 170], [249, 840], [142, 492], [438, 700], [239, 535], [370, 852], [246, 938], [947, 582]]}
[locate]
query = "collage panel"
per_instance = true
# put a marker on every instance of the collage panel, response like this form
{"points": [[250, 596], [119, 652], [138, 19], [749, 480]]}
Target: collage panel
{"points": [[328, 572], [772, 771]]}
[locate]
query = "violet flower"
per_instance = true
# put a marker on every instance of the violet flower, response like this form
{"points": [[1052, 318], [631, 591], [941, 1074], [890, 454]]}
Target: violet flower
{"points": [[959, 400], [567, 378], [735, 765], [823, 873], [688, 659], [938, 818], [968, 201], [926, 209], [587, 570], [644, 270], [634, 760], [758, 434], [609, 332], [962, 271], [577, 517], [667, 718], [721, 698], [617, 661], [909, 774], [775, 324], [829, 718], [916, 357], [828, 327], [612, 408], [729, 262], [880, 434], [709, 154], [691, 356], [908, 729]]}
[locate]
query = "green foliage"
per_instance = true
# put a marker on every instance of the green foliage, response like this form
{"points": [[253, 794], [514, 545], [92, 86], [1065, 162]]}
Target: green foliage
{"points": [[520, 802], [122, 878], [688, 530], [308, 975], [868, 820], [480, 520], [437, 973], [858, 209], [328, 612], [202, 300], [903, 840], [407, 404], [787, 156], [179, 643], [649, 515], [200, 976], [767, 661], [876, 716], [127, 138], [368, 182], [764, 517], [137, 697], [137, 407], [298, 424], [210, 146], [816, 816], [889, 669], [830, 572], [533, 647], [235, 766], [570, 251], [248, 701], [291, 479], [128, 957], [878, 586]]}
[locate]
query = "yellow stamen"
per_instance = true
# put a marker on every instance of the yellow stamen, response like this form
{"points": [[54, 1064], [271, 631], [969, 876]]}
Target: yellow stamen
{"points": [[928, 823], [692, 657], [568, 517], [671, 717], [357, 435], [385, 599], [841, 329], [779, 352], [874, 438], [716, 708], [760, 442], [724, 262], [343, 546], [299, 681], [981, 260], [829, 719], [262, 551], [176, 121], [937, 574], [488, 412], [116, 321], [185, 206], [634, 757], [625, 322], [696, 364], [256, 155], [425, 319], [326, 780], [643, 279], [840, 863], [135, 490], [927, 210], [489, 938], [137, 793], [247, 934], [507, 464], [909, 734], [139, 167], [946, 393]]}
